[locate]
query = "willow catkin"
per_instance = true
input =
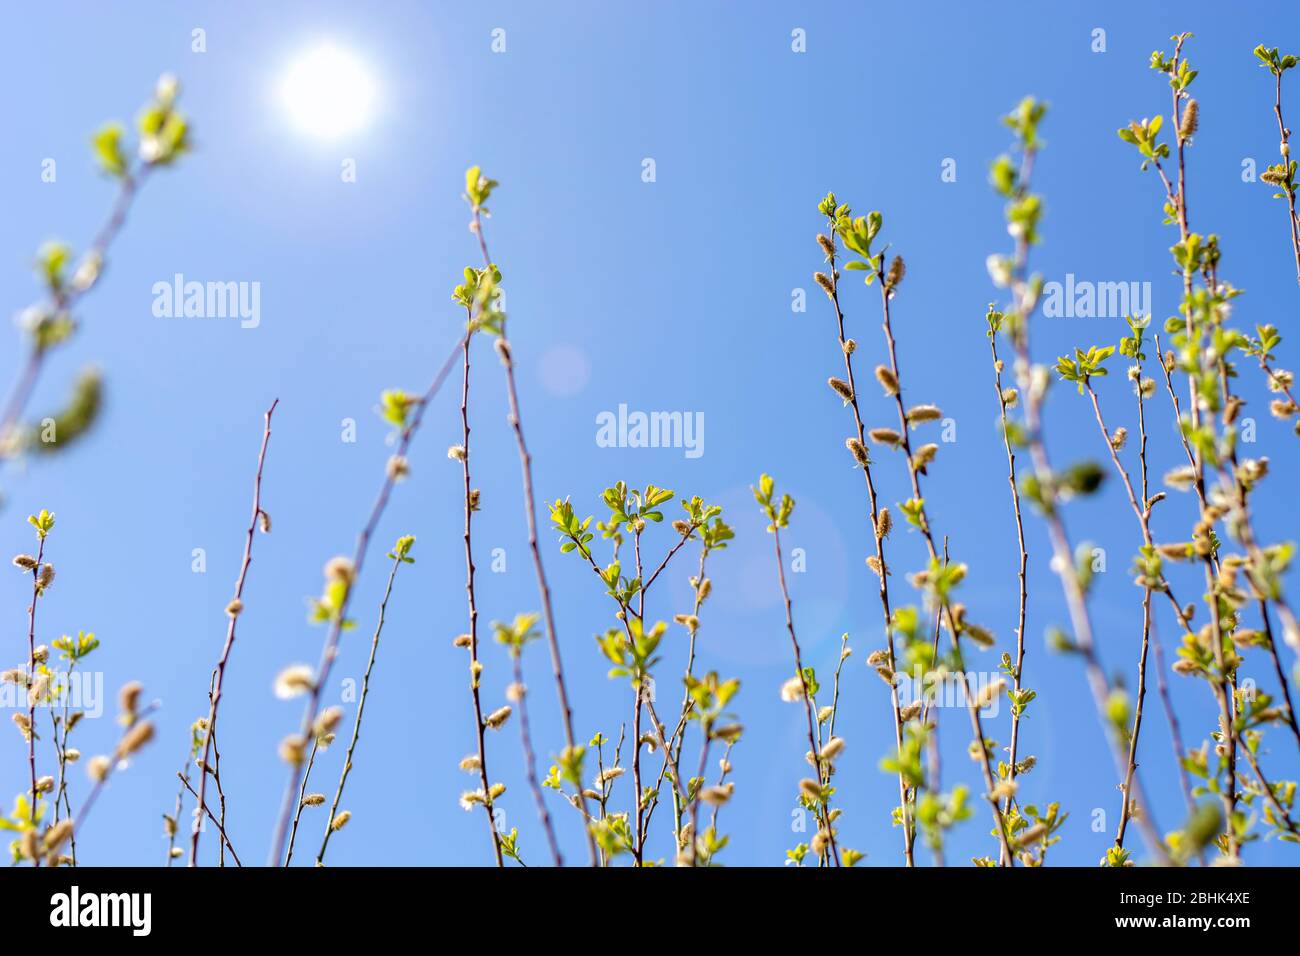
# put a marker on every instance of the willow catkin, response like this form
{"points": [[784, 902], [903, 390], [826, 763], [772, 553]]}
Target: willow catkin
{"points": [[135, 738], [897, 269], [923, 413], [1191, 119], [327, 720], [858, 450], [792, 690], [887, 379], [339, 568], [924, 456], [129, 696], [294, 680], [293, 749], [718, 795], [57, 835]]}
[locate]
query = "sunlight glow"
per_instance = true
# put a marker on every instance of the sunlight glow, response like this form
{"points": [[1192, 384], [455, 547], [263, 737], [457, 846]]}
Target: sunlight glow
{"points": [[328, 92]]}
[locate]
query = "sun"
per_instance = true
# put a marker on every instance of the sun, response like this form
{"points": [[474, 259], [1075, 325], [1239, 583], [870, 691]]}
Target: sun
{"points": [[328, 92]]}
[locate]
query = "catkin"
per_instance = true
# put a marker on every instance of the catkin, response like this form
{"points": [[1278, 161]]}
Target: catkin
{"points": [[135, 738], [1191, 119], [897, 269]]}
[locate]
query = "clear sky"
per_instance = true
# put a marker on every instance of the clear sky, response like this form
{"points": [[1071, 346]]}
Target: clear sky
{"points": [[670, 295]]}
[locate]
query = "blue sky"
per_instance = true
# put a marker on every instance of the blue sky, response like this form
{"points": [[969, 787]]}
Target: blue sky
{"points": [[671, 295]]}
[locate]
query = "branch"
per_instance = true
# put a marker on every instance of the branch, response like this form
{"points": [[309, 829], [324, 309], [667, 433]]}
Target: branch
{"points": [[330, 650], [64, 299], [361, 708], [233, 610], [215, 822], [530, 511], [470, 506], [882, 568]]}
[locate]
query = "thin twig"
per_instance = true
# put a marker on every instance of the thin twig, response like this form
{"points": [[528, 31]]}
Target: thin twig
{"points": [[878, 534], [1289, 190], [37, 591], [530, 511], [361, 708], [1283, 817], [174, 828], [302, 795], [972, 708], [1221, 688], [1076, 602], [638, 804], [63, 766], [1143, 515], [530, 761], [724, 765], [695, 804], [678, 738], [1023, 590], [643, 814], [1279, 671], [330, 649], [470, 506], [233, 611], [822, 769], [1175, 730], [225, 839], [221, 792]]}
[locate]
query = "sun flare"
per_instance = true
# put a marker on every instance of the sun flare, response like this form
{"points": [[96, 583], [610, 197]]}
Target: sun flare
{"points": [[328, 92]]}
